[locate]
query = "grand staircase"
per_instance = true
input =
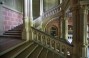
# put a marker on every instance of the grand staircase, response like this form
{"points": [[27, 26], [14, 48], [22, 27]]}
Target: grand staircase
{"points": [[41, 44], [26, 49], [30, 50]]}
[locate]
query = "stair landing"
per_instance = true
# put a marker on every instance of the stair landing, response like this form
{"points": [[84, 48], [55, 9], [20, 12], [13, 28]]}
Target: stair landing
{"points": [[6, 43]]}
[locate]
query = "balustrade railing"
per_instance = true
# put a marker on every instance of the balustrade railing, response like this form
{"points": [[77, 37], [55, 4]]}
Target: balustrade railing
{"points": [[61, 46], [52, 11]]}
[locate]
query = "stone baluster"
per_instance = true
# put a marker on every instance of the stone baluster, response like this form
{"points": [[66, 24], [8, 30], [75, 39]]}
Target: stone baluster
{"points": [[55, 45], [46, 41], [60, 51], [50, 42], [37, 36], [42, 39]]}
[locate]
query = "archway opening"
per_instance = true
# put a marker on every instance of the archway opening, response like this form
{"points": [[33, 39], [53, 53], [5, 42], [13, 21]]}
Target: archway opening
{"points": [[54, 31]]}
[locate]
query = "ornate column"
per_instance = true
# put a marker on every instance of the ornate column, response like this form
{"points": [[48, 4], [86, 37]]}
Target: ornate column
{"points": [[28, 19], [41, 13], [31, 36], [30, 12], [64, 22], [79, 29], [84, 18], [41, 7], [64, 28], [60, 28], [25, 33]]}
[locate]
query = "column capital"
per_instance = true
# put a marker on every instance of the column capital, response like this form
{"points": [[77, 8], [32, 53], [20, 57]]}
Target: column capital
{"points": [[84, 4], [85, 45]]}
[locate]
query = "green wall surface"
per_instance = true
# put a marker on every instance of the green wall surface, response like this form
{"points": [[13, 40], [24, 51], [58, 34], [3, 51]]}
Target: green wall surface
{"points": [[36, 8], [14, 4], [48, 4]]}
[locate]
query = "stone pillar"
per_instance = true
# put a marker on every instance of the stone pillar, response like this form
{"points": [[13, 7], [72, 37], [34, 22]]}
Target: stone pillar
{"points": [[60, 28], [85, 41], [41, 13], [30, 13], [79, 30], [25, 34], [41, 7], [31, 36], [65, 28], [61, 1], [28, 18]]}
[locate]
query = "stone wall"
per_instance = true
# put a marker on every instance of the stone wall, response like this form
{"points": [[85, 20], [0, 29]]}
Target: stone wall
{"points": [[11, 18]]}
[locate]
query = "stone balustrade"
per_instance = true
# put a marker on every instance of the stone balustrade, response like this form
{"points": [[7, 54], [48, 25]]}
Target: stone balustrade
{"points": [[60, 46], [52, 11]]}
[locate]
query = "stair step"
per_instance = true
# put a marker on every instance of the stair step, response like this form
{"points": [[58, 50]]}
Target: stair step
{"points": [[57, 56], [17, 50], [43, 53], [27, 51], [15, 31], [35, 53], [11, 36], [50, 54], [49, 49], [40, 52]]}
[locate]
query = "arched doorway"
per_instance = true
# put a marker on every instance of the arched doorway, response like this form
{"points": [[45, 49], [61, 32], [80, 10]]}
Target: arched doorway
{"points": [[54, 31]]}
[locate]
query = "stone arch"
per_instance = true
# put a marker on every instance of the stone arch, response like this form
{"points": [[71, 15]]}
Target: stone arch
{"points": [[53, 23], [54, 30]]}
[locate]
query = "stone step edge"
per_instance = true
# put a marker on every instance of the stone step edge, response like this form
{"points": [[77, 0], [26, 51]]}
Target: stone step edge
{"points": [[22, 50], [31, 51], [47, 47], [40, 52], [6, 51]]}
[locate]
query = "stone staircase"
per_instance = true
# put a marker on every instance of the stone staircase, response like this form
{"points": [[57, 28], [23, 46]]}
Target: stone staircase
{"points": [[15, 32], [30, 50], [25, 49]]}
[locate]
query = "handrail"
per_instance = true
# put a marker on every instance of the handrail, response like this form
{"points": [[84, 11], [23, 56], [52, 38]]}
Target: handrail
{"points": [[52, 11], [61, 39], [53, 8], [59, 45]]}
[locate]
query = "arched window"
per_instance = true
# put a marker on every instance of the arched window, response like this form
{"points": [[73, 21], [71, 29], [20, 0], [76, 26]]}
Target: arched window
{"points": [[53, 31]]}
